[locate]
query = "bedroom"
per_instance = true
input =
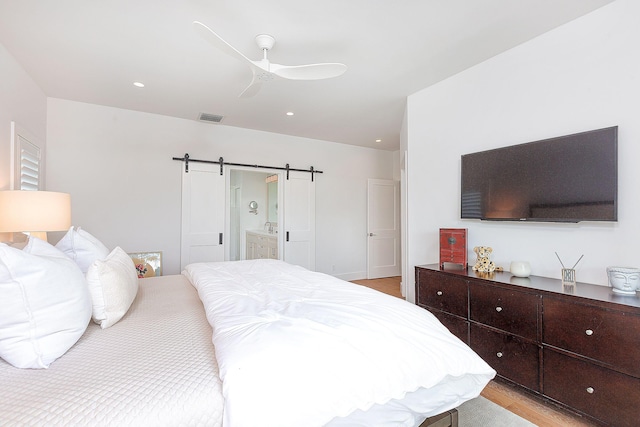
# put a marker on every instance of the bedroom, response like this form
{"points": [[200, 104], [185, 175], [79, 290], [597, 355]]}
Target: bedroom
{"points": [[580, 76], [76, 132], [150, 141]]}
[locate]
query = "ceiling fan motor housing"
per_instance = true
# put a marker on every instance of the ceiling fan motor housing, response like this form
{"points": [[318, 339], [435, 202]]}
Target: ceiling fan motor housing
{"points": [[265, 41]]}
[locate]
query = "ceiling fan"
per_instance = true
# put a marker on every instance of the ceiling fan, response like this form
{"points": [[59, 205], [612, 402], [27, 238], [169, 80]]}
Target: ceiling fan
{"points": [[264, 70]]}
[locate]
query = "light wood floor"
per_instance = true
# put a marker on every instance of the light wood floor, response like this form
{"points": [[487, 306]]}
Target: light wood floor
{"points": [[516, 401]]}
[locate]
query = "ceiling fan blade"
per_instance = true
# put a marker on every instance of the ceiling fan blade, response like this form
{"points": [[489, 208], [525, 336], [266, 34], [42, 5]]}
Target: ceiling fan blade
{"points": [[253, 88], [309, 72], [213, 38], [263, 70]]}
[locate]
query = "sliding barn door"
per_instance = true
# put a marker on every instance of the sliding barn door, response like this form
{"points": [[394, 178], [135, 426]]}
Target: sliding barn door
{"points": [[299, 222], [203, 213]]}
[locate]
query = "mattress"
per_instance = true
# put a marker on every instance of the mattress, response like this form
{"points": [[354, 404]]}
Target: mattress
{"points": [[156, 366], [296, 347]]}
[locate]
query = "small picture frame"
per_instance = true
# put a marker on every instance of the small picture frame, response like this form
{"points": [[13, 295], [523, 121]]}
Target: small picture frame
{"points": [[148, 264]]}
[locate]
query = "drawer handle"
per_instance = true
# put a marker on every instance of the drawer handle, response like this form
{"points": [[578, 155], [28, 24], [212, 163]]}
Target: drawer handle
{"points": [[588, 332], [499, 354], [439, 292], [590, 390], [498, 309]]}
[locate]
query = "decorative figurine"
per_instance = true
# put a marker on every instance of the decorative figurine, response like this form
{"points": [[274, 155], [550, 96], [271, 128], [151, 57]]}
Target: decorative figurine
{"points": [[483, 263], [624, 280]]}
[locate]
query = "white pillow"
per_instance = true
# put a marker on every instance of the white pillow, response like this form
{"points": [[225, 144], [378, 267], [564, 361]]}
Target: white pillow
{"points": [[82, 247], [45, 305], [113, 284]]}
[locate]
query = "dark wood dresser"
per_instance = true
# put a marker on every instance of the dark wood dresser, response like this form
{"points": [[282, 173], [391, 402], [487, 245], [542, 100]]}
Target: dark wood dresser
{"points": [[577, 346]]}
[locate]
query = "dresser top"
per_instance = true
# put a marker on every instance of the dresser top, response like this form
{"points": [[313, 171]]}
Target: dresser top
{"points": [[545, 284]]}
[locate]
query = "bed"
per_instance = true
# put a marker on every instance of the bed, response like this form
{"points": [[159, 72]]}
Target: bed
{"points": [[156, 366], [250, 343]]}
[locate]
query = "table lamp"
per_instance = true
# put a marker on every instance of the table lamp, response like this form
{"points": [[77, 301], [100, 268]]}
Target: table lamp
{"points": [[34, 212]]}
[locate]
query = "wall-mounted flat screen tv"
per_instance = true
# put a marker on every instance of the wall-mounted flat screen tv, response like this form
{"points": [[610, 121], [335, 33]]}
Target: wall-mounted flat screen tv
{"points": [[565, 179]]}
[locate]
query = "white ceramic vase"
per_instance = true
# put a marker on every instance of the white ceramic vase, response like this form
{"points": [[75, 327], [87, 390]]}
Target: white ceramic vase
{"points": [[520, 268]]}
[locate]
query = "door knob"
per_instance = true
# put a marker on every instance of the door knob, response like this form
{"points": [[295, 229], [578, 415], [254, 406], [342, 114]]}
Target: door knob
{"points": [[371, 234]]}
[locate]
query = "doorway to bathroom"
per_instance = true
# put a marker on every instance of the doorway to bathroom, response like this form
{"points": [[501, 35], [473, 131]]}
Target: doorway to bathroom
{"points": [[281, 222], [253, 215]]}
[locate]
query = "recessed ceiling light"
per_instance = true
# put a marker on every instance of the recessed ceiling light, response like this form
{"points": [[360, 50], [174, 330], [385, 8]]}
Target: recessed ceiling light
{"points": [[289, 113], [138, 84], [378, 140]]}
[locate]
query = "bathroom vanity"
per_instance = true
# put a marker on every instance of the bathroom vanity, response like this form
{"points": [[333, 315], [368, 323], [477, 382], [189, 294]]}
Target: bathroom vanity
{"points": [[261, 244]]}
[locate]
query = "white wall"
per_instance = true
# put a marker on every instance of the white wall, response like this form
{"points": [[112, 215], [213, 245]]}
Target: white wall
{"points": [[584, 75], [254, 188], [125, 187], [23, 102]]}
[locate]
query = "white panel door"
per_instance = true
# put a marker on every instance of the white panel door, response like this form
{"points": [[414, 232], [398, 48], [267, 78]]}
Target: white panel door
{"points": [[383, 227], [203, 213], [299, 222]]}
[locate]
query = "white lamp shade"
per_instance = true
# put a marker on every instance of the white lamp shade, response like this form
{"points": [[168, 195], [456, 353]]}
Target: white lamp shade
{"points": [[34, 211]]}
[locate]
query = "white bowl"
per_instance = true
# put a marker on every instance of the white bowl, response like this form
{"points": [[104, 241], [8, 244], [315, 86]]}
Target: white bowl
{"points": [[520, 268]]}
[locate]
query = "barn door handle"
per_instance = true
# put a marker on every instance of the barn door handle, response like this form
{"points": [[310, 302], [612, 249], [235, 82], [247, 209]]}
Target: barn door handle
{"points": [[219, 238], [287, 236]]}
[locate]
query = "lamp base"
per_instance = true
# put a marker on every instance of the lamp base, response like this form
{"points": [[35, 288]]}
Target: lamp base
{"points": [[42, 235]]}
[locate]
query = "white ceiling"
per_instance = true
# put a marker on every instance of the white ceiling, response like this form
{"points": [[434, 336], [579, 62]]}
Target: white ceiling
{"points": [[92, 51]]}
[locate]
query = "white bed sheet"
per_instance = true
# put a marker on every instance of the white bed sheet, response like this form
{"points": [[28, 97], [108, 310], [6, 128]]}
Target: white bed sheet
{"points": [[298, 348], [156, 367]]}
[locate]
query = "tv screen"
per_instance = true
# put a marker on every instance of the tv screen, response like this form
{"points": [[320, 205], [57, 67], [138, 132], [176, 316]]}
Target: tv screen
{"points": [[566, 179]]}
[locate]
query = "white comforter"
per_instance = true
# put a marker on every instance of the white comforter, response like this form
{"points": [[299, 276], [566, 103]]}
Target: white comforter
{"points": [[298, 348]]}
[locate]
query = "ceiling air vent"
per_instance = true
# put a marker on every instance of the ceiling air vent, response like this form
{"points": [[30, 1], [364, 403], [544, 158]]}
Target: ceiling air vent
{"points": [[211, 118]]}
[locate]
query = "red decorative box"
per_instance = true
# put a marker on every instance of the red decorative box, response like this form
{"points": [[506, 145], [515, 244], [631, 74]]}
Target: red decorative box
{"points": [[453, 246]]}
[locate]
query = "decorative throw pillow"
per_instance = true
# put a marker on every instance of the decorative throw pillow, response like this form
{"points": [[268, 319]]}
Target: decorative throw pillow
{"points": [[45, 305], [82, 247], [113, 284]]}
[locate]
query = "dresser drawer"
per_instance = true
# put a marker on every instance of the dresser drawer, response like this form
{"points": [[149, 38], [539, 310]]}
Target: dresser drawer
{"points": [[510, 310], [451, 256], [456, 325], [609, 396], [443, 292], [612, 337], [512, 357]]}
